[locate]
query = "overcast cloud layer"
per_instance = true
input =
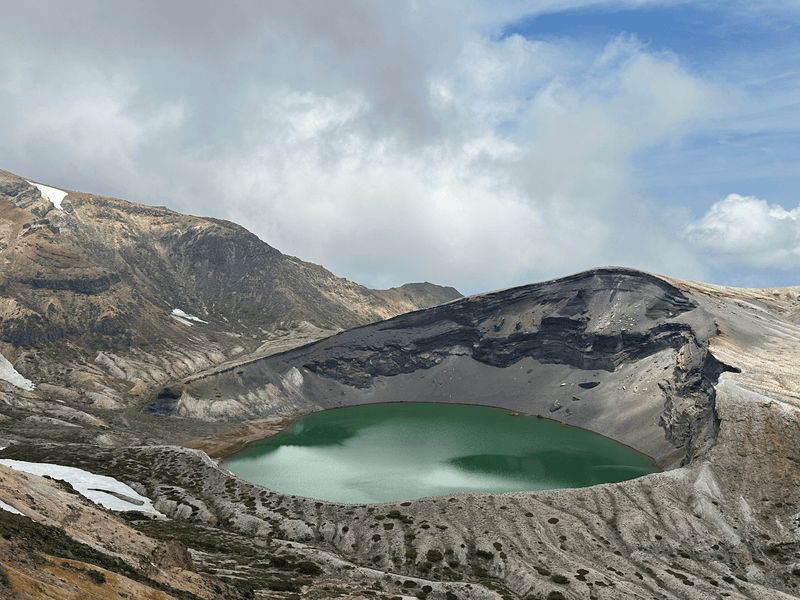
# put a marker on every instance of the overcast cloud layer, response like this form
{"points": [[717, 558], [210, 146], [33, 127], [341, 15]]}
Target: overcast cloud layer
{"points": [[480, 145]]}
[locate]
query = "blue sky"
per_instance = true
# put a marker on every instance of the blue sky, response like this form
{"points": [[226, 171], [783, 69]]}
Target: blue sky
{"points": [[476, 144], [701, 34], [755, 53]]}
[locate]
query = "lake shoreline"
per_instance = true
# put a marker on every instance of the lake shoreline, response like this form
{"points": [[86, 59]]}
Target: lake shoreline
{"points": [[224, 447], [464, 451]]}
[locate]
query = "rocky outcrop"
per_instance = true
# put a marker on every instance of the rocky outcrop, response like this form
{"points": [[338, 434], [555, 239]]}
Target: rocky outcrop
{"points": [[419, 295]]}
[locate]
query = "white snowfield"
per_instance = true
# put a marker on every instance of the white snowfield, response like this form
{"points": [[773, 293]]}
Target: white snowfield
{"points": [[10, 509], [184, 318], [52, 194], [10, 374], [102, 490]]}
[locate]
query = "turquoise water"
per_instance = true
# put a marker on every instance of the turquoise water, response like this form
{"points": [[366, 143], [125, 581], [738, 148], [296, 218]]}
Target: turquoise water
{"points": [[387, 452]]}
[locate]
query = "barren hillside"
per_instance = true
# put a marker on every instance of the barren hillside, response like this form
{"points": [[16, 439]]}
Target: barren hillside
{"points": [[109, 299]]}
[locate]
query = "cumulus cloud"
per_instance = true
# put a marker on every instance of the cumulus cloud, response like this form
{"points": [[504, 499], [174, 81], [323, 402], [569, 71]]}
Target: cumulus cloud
{"points": [[362, 138], [745, 229], [80, 125], [531, 176]]}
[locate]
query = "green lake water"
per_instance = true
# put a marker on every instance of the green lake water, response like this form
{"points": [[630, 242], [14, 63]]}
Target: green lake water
{"points": [[388, 452]]}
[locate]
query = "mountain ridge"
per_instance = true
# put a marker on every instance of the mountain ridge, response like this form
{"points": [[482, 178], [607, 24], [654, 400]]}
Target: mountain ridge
{"points": [[103, 275]]}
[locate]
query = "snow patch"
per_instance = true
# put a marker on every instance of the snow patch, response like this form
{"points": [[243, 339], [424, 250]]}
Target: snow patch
{"points": [[102, 490], [52, 194], [294, 377], [707, 484], [10, 374], [184, 318], [10, 509], [745, 509]]}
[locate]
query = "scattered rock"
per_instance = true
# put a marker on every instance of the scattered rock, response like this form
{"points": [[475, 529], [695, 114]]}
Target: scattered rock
{"points": [[139, 388], [49, 421]]}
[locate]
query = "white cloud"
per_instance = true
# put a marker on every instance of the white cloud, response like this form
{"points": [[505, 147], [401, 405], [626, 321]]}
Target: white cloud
{"points": [[81, 119], [339, 194], [363, 139], [478, 205], [745, 229]]}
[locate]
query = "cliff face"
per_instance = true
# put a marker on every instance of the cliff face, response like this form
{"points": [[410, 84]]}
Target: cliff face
{"points": [[99, 276]]}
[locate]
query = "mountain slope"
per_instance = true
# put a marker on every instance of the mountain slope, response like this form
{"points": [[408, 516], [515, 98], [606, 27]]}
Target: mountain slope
{"points": [[701, 378], [91, 284]]}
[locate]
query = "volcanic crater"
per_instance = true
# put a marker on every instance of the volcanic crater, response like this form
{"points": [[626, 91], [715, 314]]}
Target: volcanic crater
{"points": [[701, 378]]}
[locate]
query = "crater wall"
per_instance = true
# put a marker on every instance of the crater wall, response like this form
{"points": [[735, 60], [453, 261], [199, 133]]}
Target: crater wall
{"points": [[615, 351]]}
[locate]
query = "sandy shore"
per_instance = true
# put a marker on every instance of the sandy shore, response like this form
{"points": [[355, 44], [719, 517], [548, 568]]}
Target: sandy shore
{"points": [[225, 445]]}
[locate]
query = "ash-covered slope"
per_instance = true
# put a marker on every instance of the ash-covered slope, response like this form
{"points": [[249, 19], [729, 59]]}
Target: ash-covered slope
{"points": [[88, 279], [617, 351]]}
